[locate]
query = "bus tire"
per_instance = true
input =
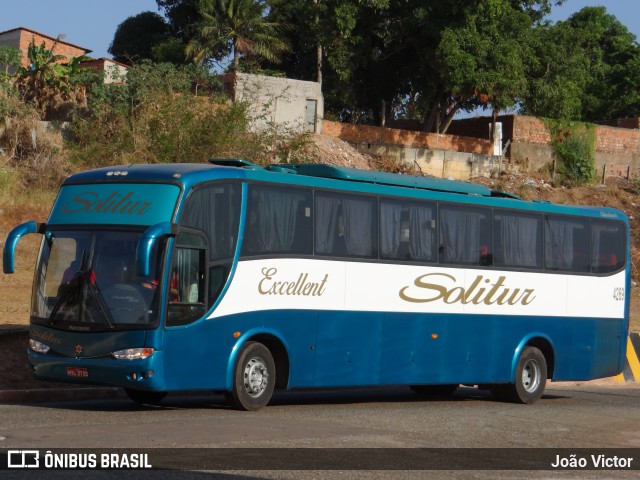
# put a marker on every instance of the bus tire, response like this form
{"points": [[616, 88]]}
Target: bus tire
{"points": [[435, 390], [531, 378], [254, 378], [144, 397]]}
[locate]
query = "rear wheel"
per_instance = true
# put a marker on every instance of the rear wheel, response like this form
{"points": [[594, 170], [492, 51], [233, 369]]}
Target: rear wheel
{"points": [[144, 397], [531, 379], [254, 378]]}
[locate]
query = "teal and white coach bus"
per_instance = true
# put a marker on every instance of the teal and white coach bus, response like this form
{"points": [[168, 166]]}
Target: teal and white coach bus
{"points": [[231, 277]]}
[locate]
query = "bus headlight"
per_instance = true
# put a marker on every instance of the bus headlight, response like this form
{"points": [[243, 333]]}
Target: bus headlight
{"points": [[133, 353], [37, 346]]}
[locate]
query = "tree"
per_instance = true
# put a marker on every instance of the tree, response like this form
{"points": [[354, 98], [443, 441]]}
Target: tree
{"points": [[136, 37], [47, 83], [586, 68], [10, 59], [426, 60], [483, 63], [613, 84], [182, 16], [235, 26]]}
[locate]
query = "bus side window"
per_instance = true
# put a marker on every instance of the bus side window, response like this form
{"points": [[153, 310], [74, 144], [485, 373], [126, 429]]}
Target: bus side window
{"points": [[518, 238], [345, 225], [607, 246], [278, 221], [186, 285], [465, 235], [407, 231], [566, 244]]}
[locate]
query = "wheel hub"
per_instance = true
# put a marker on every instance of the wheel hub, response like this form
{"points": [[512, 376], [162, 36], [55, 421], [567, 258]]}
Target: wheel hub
{"points": [[256, 377], [531, 376]]}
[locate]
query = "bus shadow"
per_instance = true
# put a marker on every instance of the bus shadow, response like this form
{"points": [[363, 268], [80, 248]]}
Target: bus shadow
{"points": [[332, 396]]}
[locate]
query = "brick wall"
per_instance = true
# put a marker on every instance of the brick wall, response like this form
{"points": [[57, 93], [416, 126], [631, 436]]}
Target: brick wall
{"points": [[21, 38], [60, 48], [392, 136], [612, 140], [617, 150]]}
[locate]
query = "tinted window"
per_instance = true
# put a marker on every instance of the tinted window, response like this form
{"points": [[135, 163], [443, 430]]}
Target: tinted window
{"points": [[278, 221], [518, 240], [345, 225], [215, 210], [566, 244], [407, 231], [465, 235], [608, 242]]}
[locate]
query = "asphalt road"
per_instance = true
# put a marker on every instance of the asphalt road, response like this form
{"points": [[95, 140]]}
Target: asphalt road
{"points": [[594, 417]]}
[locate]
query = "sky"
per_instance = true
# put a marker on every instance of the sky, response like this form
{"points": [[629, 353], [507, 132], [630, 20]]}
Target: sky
{"points": [[92, 23]]}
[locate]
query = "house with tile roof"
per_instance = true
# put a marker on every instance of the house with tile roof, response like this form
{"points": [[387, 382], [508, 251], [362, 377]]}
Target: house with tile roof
{"points": [[21, 37]]}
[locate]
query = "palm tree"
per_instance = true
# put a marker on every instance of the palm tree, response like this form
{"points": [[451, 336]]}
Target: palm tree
{"points": [[236, 26]]}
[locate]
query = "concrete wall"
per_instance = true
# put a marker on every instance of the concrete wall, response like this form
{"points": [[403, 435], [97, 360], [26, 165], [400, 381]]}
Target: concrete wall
{"points": [[281, 101], [446, 156], [114, 72]]}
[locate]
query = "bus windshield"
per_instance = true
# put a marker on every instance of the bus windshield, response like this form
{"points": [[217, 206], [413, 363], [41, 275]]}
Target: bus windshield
{"points": [[87, 282]]}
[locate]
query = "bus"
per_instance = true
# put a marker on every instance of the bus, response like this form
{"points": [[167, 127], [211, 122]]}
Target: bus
{"points": [[231, 277]]}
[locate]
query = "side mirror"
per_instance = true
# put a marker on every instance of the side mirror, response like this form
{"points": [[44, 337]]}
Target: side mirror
{"points": [[145, 244], [9, 251]]}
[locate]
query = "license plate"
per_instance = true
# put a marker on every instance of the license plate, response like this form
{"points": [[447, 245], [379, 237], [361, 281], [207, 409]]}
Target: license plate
{"points": [[77, 372]]}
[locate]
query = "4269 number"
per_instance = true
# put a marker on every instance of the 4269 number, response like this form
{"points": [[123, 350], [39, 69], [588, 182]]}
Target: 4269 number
{"points": [[618, 294]]}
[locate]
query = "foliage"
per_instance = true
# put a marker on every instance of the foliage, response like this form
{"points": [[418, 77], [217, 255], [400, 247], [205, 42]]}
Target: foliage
{"points": [[182, 16], [573, 144], [586, 68], [558, 74], [55, 89], [484, 61], [236, 26], [613, 84], [9, 58], [430, 60], [155, 117], [426, 60], [136, 37]]}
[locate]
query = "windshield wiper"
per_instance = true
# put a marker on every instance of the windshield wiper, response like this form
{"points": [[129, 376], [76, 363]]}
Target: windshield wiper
{"points": [[73, 291], [73, 294], [102, 305]]}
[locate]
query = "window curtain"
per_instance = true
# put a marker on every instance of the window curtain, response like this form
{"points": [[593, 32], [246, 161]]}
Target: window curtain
{"points": [[215, 210], [459, 236], [390, 214], [326, 215], [276, 219], [558, 243], [420, 233], [358, 223], [519, 239]]}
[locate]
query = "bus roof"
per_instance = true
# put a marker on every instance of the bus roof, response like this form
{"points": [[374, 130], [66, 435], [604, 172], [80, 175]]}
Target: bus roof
{"points": [[326, 176], [384, 178], [176, 171]]}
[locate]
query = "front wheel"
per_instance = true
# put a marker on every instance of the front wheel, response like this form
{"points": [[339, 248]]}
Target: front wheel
{"points": [[254, 378], [531, 378]]}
